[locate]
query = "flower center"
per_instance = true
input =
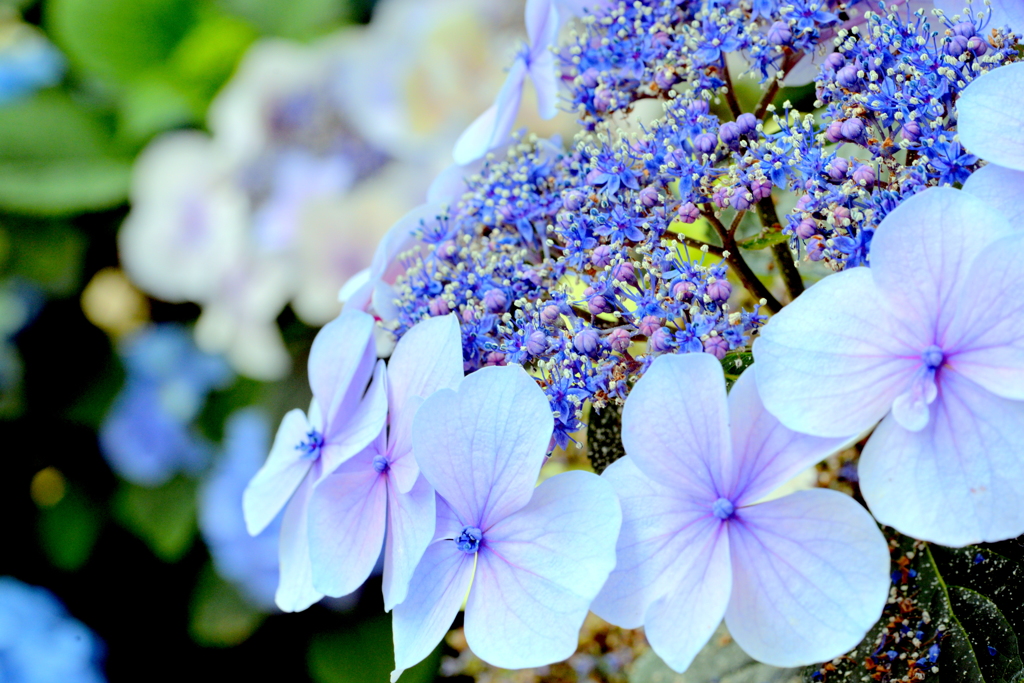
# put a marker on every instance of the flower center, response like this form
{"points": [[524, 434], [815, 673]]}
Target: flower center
{"points": [[932, 357], [469, 540], [380, 463], [722, 508], [310, 448]]}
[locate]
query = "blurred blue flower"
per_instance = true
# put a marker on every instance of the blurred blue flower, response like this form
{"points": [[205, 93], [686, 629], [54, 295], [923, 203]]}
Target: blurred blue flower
{"points": [[147, 436], [40, 642], [249, 562], [28, 62]]}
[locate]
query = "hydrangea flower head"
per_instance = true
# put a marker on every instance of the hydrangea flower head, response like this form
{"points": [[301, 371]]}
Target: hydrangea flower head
{"points": [[929, 340], [344, 418], [381, 487], [531, 559], [40, 642], [696, 545]]}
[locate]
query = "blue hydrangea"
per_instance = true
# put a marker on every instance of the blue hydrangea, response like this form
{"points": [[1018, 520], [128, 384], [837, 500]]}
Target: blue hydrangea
{"points": [[40, 642]]}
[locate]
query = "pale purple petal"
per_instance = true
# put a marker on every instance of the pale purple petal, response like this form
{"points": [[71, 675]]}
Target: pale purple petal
{"points": [[493, 127], [347, 518], [921, 253], [355, 430], [280, 476], [990, 119], [810, 577], [542, 23], [341, 363], [436, 593], [539, 569], [832, 362], [411, 522], [692, 449], [1001, 188], [659, 527], [766, 453], [986, 338], [544, 75], [295, 591], [427, 358], [482, 446], [960, 480], [680, 623]]}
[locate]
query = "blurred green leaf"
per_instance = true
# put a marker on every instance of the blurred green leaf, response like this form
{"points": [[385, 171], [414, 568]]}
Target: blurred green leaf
{"points": [[163, 517], [152, 105], [290, 18], [119, 40], [208, 55], [50, 126], [68, 531], [48, 254], [364, 654], [220, 616]]}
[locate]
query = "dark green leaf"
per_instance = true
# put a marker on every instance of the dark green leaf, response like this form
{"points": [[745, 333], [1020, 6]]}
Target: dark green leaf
{"points": [[68, 531], [163, 517], [983, 647], [604, 436], [49, 254], [220, 616], [735, 363], [63, 187], [364, 655]]}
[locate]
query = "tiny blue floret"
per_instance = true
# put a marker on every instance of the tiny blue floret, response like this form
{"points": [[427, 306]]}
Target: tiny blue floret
{"points": [[380, 463], [312, 445], [469, 540], [932, 357], [722, 508]]}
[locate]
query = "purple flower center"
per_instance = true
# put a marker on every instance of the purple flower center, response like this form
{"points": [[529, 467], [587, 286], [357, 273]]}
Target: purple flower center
{"points": [[933, 357], [469, 540], [310, 448], [380, 463], [722, 508]]}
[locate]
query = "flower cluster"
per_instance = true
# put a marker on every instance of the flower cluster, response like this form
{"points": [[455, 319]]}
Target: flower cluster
{"points": [[620, 272]]}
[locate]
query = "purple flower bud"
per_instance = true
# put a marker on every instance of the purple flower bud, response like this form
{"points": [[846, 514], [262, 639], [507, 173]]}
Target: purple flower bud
{"points": [[603, 97], [596, 303], [847, 76], [589, 77], [747, 123], [574, 200], [698, 108], [955, 46], [815, 249], [806, 229], [649, 324], [495, 300], [730, 133], [601, 256], [688, 212], [536, 343], [438, 306], [494, 358], [977, 45], [623, 272], [683, 290], [803, 202], [852, 129], [841, 215], [587, 341], [660, 340], [838, 168], [717, 347], [864, 175], [447, 250], [649, 196], [468, 315], [779, 33], [834, 132], [533, 277], [705, 143], [619, 340], [741, 199], [911, 131], [835, 61], [666, 78], [965, 29], [761, 189], [550, 314], [720, 197], [718, 289]]}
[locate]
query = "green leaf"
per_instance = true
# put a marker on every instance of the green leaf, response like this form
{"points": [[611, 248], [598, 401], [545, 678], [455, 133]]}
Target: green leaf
{"points": [[364, 654], [49, 254], [984, 646], [764, 241], [220, 616], [64, 187], [163, 517], [119, 40], [68, 531], [290, 18], [720, 661], [735, 364], [604, 436]]}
